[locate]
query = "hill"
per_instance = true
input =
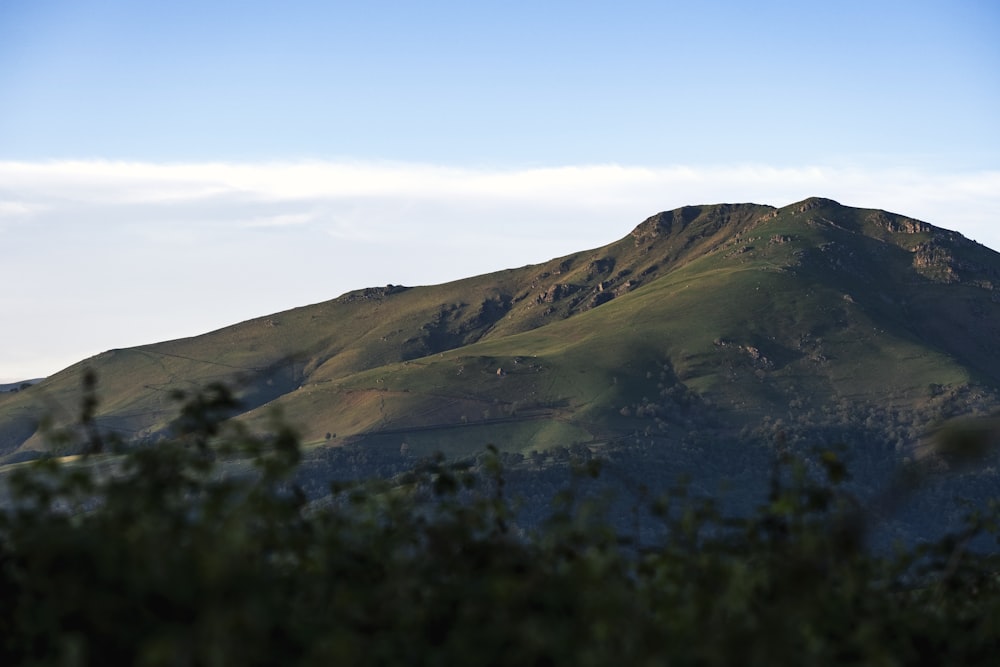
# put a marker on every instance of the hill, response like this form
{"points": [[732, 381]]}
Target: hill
{"points": [[737, 323]]}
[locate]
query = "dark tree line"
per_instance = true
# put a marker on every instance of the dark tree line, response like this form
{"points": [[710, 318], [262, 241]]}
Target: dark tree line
{"points": [[208, 549]]}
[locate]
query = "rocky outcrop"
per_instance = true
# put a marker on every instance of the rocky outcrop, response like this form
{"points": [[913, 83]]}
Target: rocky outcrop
{"points": [[601, 266], [664, 224], [935, 261], [814, 202], [896, 224], [371, 293], [557, 293], [757, 358]]}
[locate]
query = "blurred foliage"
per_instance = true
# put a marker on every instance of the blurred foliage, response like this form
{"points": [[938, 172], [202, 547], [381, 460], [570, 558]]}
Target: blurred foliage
{"points": [[203, 550]]}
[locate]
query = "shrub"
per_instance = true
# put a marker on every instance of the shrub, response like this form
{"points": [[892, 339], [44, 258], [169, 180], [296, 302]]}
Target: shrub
{"points": [[203, 550]]}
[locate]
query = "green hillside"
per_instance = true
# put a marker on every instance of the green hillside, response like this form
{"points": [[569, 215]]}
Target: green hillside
{"points": [[731, 320]]}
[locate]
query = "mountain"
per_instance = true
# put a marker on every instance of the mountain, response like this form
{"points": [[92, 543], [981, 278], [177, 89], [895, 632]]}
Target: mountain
{"points": [[814, 322], [18, 386]]}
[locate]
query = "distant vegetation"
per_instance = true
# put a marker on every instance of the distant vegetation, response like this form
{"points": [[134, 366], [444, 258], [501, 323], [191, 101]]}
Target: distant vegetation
{"points": [[17, 386], [208, 548]]}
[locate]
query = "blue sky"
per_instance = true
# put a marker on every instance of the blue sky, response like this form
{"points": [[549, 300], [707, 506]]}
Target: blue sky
{"points": [[512, 83], [169, 168]]}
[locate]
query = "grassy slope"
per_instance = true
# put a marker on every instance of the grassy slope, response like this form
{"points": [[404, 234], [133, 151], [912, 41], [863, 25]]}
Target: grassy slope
{"points": [[823, 328], [747, 307]]}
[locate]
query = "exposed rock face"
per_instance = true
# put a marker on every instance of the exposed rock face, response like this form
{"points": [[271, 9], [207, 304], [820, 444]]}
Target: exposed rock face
{"points": [[601, 266], [626, 286], [371, 293], [557, 292], [898, 225], [599, 298], [815, 202], [907, 226], [935, 261]]}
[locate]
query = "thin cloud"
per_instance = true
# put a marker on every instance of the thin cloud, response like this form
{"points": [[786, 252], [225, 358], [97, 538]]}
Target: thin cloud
{"points": [[283, 220], [121, 253], [938, 197], [388, 202]]}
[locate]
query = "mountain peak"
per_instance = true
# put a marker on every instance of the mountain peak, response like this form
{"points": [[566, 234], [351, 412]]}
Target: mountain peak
{"points": [[705, 220], [812, 203], [747, 308]]}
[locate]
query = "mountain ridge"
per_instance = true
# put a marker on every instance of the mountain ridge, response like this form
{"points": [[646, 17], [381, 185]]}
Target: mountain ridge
{"points": [[723, 313]]}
